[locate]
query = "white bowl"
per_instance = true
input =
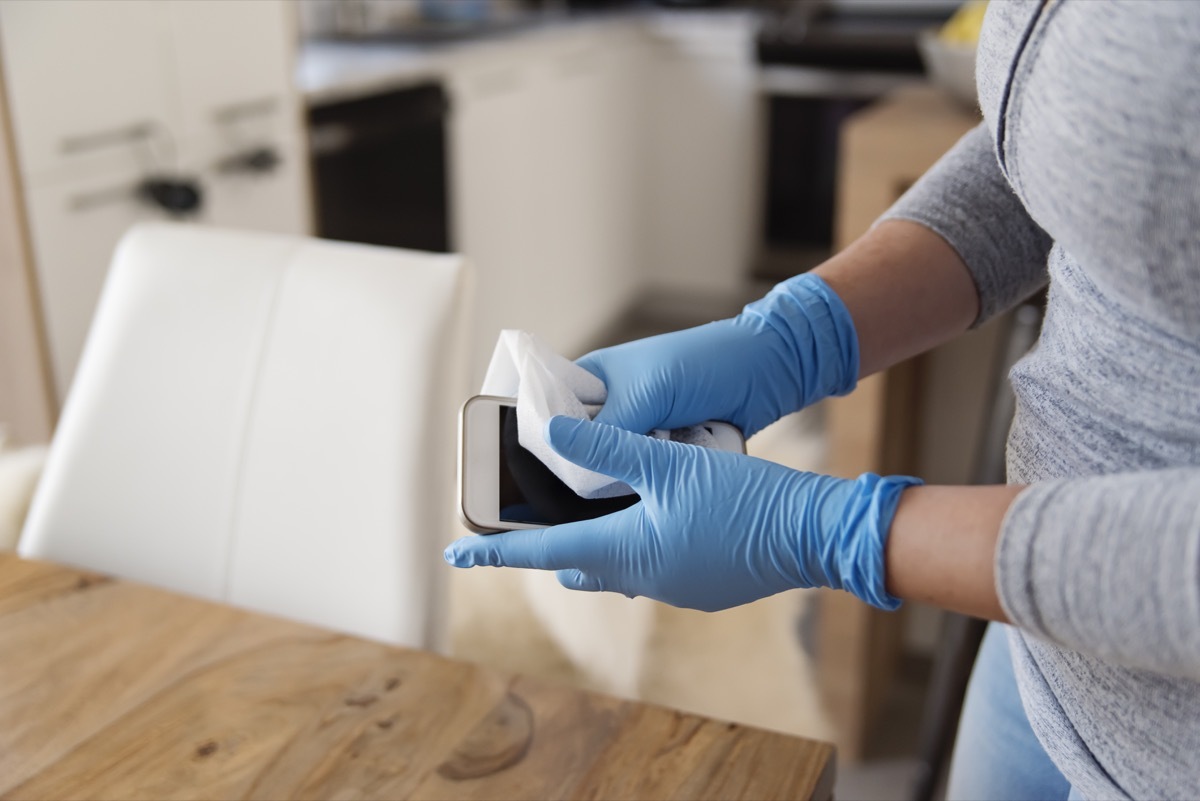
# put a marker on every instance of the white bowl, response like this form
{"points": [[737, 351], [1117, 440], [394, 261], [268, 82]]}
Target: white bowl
{"points": [[950, 66]]}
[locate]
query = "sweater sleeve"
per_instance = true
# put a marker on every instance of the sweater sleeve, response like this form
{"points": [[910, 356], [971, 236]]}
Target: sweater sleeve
{"points": [[966, 200], [1109, 566]]}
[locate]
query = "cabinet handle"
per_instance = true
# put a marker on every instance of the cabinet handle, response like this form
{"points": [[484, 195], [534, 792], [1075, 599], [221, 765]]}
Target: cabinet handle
{"points": [[151, 133], [174, 195], [259, 160], [130, 134], [329, 137], [233, 112], [86, 201]]}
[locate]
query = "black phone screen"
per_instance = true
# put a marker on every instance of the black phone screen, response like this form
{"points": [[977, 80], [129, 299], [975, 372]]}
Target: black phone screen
{"points": [[531, 493]]}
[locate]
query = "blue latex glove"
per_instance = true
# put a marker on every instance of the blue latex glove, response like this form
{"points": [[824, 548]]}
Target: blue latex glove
{"points": [[713, 529], [782, 353]]}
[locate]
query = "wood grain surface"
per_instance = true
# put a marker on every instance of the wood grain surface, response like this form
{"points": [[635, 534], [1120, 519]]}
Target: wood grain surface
{"points": [[110, 689]]}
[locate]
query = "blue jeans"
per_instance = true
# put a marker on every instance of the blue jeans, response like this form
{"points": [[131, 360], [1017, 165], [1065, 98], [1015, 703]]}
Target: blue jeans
{"points": [[997, 757]]}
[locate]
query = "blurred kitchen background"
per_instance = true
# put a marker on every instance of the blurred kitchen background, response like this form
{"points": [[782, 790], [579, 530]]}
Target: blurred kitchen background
{"points": [[610, 168]]}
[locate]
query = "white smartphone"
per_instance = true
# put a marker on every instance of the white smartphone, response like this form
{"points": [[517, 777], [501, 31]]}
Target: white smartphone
{"points": [[502, 486]]}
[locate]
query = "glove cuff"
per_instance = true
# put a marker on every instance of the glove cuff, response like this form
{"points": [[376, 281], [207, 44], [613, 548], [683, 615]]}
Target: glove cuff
{"points": [[862, 538], [817, 330]]}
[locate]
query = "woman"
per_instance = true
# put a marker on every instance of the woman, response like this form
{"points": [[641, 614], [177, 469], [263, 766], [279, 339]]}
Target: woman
{"points": [[1085, 175]]}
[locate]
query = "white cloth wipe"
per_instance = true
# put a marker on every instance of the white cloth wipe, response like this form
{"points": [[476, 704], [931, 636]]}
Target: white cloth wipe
{"points": [[545, 385]]}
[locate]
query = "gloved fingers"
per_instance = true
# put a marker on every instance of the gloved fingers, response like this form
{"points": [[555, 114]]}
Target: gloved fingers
{"points": [[594, 363], [543, 549], [592, 582], [614, 452], [627, 414], [578, 580], [585, 545], [621, 409]]}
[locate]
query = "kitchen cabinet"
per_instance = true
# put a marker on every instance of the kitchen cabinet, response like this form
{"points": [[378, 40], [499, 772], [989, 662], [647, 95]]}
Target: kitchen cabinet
{"points": [[703, 169], [545, 157], [88, 85], [233, 63], [26, 410], [495, 223], [259, 184], [596, 163], [239, 115], [379, 168], [74, 226], [921, 417], [589, 175], [104, 95]]}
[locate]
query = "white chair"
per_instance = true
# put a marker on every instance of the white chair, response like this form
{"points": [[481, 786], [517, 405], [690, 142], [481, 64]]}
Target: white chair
{"points": [[267, 421]]}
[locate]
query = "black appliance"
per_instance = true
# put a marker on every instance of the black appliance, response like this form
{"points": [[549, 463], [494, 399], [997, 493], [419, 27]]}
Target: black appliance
{"points": [[379, 169], [821, 62]]}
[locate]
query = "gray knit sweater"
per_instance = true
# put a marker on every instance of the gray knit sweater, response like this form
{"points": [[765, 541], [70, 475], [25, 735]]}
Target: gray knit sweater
{"points": [[1086, 174]]}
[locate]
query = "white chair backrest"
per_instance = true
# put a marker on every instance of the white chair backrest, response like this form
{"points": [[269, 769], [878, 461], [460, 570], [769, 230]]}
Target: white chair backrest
{"points": [[267, 421]]}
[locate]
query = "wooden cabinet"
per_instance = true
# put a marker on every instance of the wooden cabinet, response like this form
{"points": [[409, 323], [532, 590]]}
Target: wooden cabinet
{"points": [[921, 417], [106, 94], [26, 409]]}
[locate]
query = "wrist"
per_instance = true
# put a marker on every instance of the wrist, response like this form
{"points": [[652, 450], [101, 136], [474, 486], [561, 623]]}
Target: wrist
{"points": [[839, 529], [942, 545], [814, 330], [863, 530]]}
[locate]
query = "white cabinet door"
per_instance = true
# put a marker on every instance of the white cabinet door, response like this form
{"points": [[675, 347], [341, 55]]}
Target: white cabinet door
{"points": [[704, 160], [88, 84], [75, 226], [586, 143], [106, 94], [261, 185], [491, 169], [234, 64], [544, 158]]}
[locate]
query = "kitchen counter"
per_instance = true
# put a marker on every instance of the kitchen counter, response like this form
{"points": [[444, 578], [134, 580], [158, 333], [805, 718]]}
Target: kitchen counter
{"points": [[330, 71], [553, 155]]}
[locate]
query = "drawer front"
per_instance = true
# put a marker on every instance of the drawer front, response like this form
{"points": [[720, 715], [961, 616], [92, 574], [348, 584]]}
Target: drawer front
{"points": [[89, 85], [234, 63], [259, 183]]}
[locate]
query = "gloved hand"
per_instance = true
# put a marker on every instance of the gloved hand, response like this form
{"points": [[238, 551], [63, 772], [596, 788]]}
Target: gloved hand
{"points": [[782, 353], [713, 529]]}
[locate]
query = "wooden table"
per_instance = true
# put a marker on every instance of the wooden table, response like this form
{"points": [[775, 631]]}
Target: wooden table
{"points": [[109, 689]]}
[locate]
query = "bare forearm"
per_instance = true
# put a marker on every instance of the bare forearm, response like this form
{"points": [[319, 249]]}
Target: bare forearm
{"points": [[942, 544], [906, 289]]}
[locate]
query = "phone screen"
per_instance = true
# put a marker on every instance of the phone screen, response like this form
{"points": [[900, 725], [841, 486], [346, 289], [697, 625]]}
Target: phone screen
{"points": [[531, 493]]}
